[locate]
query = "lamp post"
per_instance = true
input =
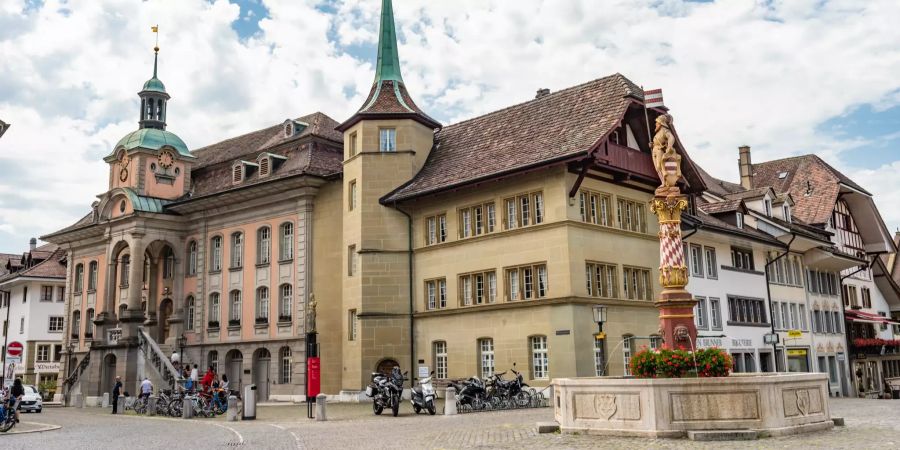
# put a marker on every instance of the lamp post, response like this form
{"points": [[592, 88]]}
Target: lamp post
{"points": [[182, 341], [70, 352], [600, 338]]}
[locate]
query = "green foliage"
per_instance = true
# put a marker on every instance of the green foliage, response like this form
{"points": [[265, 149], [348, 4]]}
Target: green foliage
{"points": [[669, 363]]}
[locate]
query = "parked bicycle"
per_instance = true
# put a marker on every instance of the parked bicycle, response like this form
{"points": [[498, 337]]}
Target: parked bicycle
{"points": [[7, 414]]}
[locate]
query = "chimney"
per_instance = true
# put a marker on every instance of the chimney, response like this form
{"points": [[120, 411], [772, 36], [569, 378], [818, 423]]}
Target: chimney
{"points": [[32, 243], [745, 166], [542, 92]]}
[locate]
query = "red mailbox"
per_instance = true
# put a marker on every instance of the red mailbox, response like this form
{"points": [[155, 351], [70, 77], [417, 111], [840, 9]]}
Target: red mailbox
{"points": [[313, 377]]}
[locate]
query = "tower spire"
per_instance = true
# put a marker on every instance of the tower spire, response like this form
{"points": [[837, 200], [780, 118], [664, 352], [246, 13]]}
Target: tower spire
{"points": [[155, 58], [388, 66]]}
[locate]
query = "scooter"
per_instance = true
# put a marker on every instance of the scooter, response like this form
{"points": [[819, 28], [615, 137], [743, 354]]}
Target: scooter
{"points": [[422, 396]]}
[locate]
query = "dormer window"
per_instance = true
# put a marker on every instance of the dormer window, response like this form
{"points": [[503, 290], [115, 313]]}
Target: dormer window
{"points": [[268, 163], [293, 127], [237, 173], [740, 220], [786, 210], [264, 166], [768, 205]]}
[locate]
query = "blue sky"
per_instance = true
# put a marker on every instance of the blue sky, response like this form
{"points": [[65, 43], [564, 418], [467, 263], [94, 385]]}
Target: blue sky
{"points": [[785, 77]]}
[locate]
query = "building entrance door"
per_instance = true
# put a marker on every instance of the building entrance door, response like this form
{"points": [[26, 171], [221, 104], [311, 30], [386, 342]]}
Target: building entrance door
{"points": [[108, 374], [261, 361], [165, 311]]}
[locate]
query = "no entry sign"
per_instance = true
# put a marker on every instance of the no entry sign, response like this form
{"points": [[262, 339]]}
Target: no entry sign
{"points": [[14, 348]]}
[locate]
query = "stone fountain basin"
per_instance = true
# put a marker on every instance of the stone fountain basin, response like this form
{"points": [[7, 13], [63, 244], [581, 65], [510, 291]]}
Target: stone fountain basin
{"points": [[772, 404]]}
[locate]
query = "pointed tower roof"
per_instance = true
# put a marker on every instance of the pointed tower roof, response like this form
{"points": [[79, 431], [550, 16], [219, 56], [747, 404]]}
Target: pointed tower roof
{"points": [[388, 97], [154, 84]]}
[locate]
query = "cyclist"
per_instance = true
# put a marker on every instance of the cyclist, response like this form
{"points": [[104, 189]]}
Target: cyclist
{"points": [[146, 390], [208, 378], [15, 395]]}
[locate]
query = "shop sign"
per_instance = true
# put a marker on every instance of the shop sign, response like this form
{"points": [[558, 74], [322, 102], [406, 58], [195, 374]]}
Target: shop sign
{"points": [[796, 352], [770, 338], [423, 372], [46, 367], [706, 342], [795, 334], [741, 342]]}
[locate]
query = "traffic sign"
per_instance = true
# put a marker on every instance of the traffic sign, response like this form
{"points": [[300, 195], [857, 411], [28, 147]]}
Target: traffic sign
{"points": [[14, 348]]}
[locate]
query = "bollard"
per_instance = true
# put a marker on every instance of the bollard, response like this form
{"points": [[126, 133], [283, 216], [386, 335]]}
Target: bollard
{"points": [[187, 409], [232, 409], [320, 408], [450, 402], [77, 401], [105, 400], [121, 404], [151, 405]]}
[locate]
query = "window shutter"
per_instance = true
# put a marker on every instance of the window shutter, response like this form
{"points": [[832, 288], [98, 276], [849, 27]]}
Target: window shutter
{"points": [[237, 173], [264, 166]]}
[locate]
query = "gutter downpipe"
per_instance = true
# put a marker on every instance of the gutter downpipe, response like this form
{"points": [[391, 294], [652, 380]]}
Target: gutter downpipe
{"points": [[6, 332], [769, 298], [412, 343], [844, 318]]}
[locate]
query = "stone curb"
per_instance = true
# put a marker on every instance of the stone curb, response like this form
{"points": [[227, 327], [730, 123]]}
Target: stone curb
{"points": [[46, 427]]}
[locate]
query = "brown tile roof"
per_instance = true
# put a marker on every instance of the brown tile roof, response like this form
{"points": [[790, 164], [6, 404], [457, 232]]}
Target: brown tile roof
{"points": [[716, 186], [723, 207], [790, 175], [390, 98], [748, 193], [250, 145], [715, 224], [52, 267], [558, 125]]}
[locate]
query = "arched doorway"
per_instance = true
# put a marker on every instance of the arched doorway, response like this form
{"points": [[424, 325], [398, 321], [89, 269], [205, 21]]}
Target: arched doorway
{"points": [[261, 364], [165, 311], [385, 365], [233, 362], [108, 374]]}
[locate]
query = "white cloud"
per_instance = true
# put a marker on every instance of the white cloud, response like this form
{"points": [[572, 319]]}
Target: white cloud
{"points": [[734, 72]]}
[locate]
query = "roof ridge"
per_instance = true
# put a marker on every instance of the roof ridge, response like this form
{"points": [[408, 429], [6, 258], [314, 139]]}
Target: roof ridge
{"points": [[534, 100], [319, 114]]}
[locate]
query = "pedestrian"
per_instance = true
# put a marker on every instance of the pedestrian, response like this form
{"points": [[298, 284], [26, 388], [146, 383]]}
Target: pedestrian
{"points": [[225, 382], [176, 359], [15, 396], [117, 389], [195, 375], [208, 378], [146, 389]]}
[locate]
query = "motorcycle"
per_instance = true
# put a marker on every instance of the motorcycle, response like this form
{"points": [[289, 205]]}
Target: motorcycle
{"points": [[470, 393], [422, 396], [386, 391], [516, 390], [7, 413]]}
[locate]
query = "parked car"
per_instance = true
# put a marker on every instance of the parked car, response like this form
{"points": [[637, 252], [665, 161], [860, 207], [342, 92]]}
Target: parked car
{"points": [[31, 401]]}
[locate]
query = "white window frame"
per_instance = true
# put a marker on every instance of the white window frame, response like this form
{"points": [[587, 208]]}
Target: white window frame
{"points": [[540, 358], [486, 357]]}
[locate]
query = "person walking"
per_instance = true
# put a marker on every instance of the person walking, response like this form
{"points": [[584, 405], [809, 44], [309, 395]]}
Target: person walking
{"points": [[195, 375], [176, 359], [225, 382], [146, 389], [117, 390], [208, 378]]}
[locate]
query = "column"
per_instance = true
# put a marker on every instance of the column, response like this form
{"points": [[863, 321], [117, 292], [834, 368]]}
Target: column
{"points": [[177, 320], [304, 260], [133, 316]]}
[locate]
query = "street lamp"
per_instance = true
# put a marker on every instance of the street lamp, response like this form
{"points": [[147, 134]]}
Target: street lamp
{"points": [[600, 339], [182, 341]]}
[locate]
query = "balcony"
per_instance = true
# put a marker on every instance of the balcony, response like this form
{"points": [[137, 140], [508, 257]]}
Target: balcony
{"points": [[627, 159], [870, 346]]}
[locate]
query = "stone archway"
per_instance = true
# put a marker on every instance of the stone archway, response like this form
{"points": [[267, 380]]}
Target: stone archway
{"points": [[165, 311], [108, 374], [262, 359], [234, 361], [386, 365]]}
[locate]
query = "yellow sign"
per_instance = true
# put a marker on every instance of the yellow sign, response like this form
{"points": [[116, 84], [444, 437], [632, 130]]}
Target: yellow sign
{"points": [[797, 352], [795, 334], [600, 335]]}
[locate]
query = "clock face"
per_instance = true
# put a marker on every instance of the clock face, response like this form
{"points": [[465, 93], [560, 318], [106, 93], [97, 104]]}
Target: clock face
{"points": [[166, 159], [123, 175]]}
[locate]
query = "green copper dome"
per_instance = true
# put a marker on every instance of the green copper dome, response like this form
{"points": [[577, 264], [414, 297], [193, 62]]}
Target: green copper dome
{"points": [[155, 85], [153, 139]]}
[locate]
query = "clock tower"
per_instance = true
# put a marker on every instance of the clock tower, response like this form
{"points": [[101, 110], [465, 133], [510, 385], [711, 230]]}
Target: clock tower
{"points": [[151, 161]]}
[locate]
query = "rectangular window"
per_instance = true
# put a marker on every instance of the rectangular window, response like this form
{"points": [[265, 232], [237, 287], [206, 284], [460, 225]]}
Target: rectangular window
{"points": [[61, 294], [631, 216], [43, 353], [637, 284], [775, 316], [715, 314], [599, 358], [478, 288], [627, 344], [743, 311], [540, 362], [709, 256], [351, 261], [601, 280], [524, 210], [866, 297], [431, 294], [795, 322], [486, 357], [700, 313], [351, 325], [595, 208], [440, 360], [351, 196], [351, 145], [56, 324], [696, 260], [742, 258], [436, 229], [801, 314], [477, 220], [46, 293], [387, 139], [527, 282]]}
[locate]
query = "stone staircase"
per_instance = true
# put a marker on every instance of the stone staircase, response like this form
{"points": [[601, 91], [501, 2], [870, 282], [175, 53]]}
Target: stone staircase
{"points": [[71, 380], [158, 367]]}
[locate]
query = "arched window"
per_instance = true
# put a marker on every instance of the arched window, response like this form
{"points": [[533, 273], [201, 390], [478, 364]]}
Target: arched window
{"points": [[263, 245], [212, 359], [79, 279], [285, 359], [286, 241], [190, 313], [439, 349], [262, 305], [237, 250], [285, 302], [215, 254], [126, 268], [486, 357], [192, 258], [214, 310], [168, 263], [540, 359], [92, 276], [76, 324], [89, 324], [234, 307]]}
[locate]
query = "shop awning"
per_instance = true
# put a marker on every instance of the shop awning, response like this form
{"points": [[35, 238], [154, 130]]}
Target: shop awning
{"points": [[861, 316]]}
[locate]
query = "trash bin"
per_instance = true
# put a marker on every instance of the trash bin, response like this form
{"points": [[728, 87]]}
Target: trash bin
{"points": [[249, 402], [895, 394]]}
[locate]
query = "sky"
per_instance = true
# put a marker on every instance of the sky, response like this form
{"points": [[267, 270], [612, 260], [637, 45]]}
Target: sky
{"points": [[786, 77]]}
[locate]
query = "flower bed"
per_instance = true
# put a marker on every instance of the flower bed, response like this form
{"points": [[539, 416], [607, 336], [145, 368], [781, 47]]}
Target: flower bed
{"points": [[668, 363], [861, 342]]}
